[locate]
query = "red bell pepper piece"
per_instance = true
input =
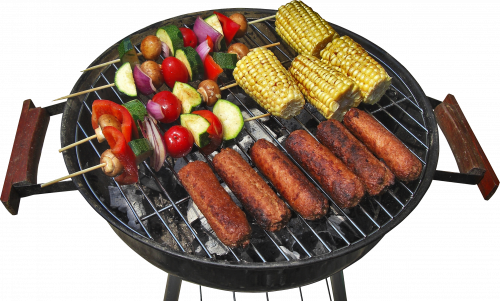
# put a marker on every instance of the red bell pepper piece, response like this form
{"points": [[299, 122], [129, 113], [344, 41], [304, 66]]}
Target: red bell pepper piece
{"points": [[122, 151], [212, 70], [101, 106], [210, 43], [229, 27]]}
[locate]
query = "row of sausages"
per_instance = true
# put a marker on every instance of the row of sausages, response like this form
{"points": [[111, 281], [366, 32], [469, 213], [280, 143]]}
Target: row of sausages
{"points": [[344, 167]]}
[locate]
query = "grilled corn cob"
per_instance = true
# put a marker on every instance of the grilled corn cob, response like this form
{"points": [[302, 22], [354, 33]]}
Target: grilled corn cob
{"points": [[330, 91], [262, 76], [303, 29], [358, 65]]}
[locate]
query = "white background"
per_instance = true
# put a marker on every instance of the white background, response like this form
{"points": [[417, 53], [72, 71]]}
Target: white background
{"points": [[59, 248]]}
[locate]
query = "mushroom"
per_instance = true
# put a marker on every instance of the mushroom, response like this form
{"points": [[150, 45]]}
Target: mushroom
{"points": [[113, 166], [209, 91], [153, 70], [242, 21], [239, 49], [104, 121], [151, 48]]}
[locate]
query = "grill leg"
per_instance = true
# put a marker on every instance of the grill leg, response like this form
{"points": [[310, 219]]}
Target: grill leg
{"points": [[338, 286], [173, 288]]}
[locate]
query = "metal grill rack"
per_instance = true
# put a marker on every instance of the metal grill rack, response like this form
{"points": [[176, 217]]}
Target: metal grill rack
{"points": [[399, 111]]}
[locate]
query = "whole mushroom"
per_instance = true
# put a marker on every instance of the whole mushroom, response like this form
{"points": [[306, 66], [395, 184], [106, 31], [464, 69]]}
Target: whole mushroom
{"points": [[242, 21], [113, 166], [209, 91]]}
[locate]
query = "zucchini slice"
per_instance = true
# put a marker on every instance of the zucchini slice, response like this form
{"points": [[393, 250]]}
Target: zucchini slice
{"points": [[141, 148], [225, 60], [124, 80], [189, 97], [172, 36], [136, 109], [198, 126], [213, 21], [193, 62], [231, 118], [127, 53]]}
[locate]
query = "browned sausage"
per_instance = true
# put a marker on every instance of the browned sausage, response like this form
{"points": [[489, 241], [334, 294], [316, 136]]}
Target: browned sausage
{"points": [[290, 182], [226, 219], [336, 179], [269, 211], [373, 173], [383, 144]]}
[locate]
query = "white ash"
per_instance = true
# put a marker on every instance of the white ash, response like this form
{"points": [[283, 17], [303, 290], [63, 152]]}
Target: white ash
{"points": [[290, 254], [135, 197]]}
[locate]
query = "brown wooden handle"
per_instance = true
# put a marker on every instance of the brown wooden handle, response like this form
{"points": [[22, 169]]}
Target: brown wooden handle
{"points": [[464, 145], [25, 156]]}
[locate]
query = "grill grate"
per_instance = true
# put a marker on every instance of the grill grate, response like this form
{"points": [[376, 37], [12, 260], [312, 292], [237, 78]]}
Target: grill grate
{"points": [[398, 111]]}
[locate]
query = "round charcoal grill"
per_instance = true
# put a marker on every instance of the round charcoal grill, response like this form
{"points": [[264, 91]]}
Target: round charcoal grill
{"points": [[158, 225]]}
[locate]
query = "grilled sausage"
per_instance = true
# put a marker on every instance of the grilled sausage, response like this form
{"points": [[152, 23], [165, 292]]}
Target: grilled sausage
{"points": [[269, 211], [374, 174], [290, 182], [383, 144], [336, 179], [226, 219]]}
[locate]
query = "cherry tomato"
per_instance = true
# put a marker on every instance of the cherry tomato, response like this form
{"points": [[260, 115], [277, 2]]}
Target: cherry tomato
{"points": [[174, 71], [179, 141], [189, 37], [214, 131], [171, 106]]}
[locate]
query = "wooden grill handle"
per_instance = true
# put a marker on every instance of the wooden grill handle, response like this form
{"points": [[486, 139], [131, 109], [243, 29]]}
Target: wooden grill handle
{"points": [[467, 151], [25, 156]]}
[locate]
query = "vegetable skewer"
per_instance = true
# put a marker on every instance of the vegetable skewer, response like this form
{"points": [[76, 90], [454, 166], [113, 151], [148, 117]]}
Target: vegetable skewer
{"points": [[140, 54], [113, 84]]}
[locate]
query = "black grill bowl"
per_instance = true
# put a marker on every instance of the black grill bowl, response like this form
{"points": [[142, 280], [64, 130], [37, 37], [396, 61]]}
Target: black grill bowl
{"points": [[404, 111]]}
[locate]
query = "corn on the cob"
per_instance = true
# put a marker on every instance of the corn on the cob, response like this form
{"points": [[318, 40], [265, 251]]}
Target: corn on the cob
{"points": [[330, 91], [262, 76], [358, 65], [303, 29]]}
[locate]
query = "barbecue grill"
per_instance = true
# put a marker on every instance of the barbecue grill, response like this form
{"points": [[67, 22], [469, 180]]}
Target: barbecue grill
{"points": [[324, 249]]}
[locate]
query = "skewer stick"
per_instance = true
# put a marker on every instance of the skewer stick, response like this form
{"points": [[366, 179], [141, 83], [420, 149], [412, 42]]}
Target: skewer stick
{"points": [[86, 91], [105, 64], [140, 53], [73, 174], [77, 143], [257, 117]]}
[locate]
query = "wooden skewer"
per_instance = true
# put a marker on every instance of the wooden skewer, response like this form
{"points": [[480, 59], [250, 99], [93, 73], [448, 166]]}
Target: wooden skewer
{"points": [[86, 91], [118, 60], [77, 143], [105, 64], [112, 85], [73, 174], [257, 117]]}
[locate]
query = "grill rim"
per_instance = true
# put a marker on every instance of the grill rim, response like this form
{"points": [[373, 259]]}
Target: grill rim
{"points": [[68, 132]]}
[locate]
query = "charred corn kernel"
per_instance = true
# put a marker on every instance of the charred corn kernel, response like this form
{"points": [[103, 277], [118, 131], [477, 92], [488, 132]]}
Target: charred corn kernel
{"points": [[303, 29], [358, 65], [329, 90], [263, 78]]}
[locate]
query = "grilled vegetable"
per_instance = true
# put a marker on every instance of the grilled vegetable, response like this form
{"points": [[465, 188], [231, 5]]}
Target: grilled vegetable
{"points": [[239, 49], [303, 29], [209, 91], [124, 153], [330, 91], [263, 77], [124, 80], [192, 61], [242, 22], [142, 149], [230, 116], [357, 64], [229, 27], [189, 97], [151, 48], [153, 70], [225, 60], [136, 109], [213, 21], [172, 36], [113, 166], [212, 70], [128, 126], [198, 126], [127, 53]]}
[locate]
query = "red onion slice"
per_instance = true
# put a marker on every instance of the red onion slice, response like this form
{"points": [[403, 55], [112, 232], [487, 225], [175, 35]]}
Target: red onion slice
{"points": [[143, 82], [165, 50], [202, 29], [151, 131], [154, 109], [203, 49]]}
